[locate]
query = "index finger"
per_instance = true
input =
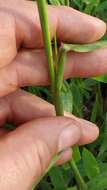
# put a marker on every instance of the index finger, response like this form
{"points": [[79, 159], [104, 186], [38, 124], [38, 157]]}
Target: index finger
{"points": [[70, 25], [13, 109]]}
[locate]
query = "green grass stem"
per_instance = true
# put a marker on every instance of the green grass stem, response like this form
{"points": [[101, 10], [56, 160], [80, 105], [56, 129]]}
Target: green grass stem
{"points": [[43, 13], [67, 3], [80, 181], [56, 81]]}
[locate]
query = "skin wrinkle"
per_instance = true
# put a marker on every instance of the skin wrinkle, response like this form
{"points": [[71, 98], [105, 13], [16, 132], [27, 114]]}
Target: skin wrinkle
{"points": [[27, 160], [11, 174], [42, 149], [33, 158], [17, 75], [15, 170]]}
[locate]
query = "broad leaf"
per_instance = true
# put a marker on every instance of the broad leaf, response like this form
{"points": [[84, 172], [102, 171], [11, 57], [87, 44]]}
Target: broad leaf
{"points": [[99, 183], [57, 179], [90, 164]]}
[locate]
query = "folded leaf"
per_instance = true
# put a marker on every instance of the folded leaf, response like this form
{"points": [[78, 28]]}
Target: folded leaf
{"points": [[85, 47]]}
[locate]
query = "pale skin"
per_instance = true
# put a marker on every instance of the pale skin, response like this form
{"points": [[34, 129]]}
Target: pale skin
{"points": [[26, 152]]}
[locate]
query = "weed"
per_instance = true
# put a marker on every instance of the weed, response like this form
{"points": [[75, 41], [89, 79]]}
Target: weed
{"points": [[92, 159]]}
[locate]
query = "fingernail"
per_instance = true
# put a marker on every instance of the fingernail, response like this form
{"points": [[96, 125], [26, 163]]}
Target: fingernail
{"points": [[68, 137]]}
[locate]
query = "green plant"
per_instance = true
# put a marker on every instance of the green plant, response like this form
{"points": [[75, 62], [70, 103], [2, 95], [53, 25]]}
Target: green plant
{"points": [[88, 159]]}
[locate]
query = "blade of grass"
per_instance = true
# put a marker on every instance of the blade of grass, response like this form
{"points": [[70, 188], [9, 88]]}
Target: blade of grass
{"points": [[67, 3], [42, 7], [53, 162], [80, 181]]}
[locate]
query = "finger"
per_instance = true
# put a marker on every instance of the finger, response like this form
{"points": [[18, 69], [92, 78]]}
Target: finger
{"points": [[30, 68], [86, 128], [8, 48], [20, 26], [65, 157], [32, 149], [89, 131], [67, 23], [13, 109], [87, 64]]}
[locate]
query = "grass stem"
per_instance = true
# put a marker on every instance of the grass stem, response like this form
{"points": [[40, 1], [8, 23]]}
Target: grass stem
{"points": [[43, 13], [56, 77], [80, 181], [67, 3], [60, 112]]}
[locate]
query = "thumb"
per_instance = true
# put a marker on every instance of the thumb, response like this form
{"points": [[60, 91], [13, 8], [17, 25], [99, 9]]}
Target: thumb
{"points": [[27, 151]]}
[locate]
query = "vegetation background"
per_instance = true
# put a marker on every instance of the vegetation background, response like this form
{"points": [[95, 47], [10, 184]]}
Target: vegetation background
{"points": [[86, 98]]}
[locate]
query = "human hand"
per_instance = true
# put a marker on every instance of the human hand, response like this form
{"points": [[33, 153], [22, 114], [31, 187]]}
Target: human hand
{"points": [[22, 57], [23, 63], [26, 152]]}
